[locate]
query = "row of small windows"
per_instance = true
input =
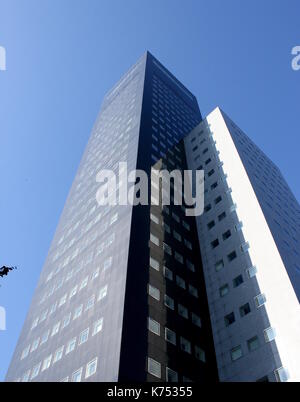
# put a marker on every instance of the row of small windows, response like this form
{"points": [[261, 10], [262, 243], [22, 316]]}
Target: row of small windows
{"points": [[90, 370], [170, 336]]}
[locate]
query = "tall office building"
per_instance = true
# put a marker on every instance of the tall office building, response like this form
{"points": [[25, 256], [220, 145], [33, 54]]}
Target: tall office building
{"points": [[249, 237], [113, 302]]}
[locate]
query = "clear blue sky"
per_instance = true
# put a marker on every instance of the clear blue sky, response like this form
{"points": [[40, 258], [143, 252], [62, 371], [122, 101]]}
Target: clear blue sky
{"points": [[63, 55]]}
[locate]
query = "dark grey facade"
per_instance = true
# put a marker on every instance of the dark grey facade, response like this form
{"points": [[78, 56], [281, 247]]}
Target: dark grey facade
{"points": [[89, 316]]}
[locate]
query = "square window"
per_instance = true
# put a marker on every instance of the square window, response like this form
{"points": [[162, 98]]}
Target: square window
{"points": [[196, 320], [84, 336], [245, 310], [47, 363], [222, 216], [180, 282], [253, 344], [98, 326], [171, 375], [232, 256], [154, 239], [252, 271], [193, 291], [281, 375], [226, 235], [154, 292], [71, 346], [168, 273], [183, 311], [238, 281], [76, 377], [210, 225], [154, 326], [154, 368], [269, 334], [58, 354], [219, 265], [224, 290], [170, 336], [169, 302], [236, 353], [102, 293], [200, 354], [229, 319], [185, 345], [214, 243], [91, 368], [260, 300], [154, 263]]}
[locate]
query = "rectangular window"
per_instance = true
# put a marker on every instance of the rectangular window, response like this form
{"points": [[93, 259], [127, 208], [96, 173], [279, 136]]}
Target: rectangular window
{"points": [[154, 292], [260, 300], [269, 334], [185, 345], [236, 353], [183, 311], [224, 290], [214, 244], [193, 291], [222, 216], [91, 368], [58, 354], [229, 319], [245, 310], [154, 368], [84, 336], [253, 344], [171, 375], [232, 256], [154, 263], [238, 281], [168, 273], [281, 374], [78, 312], [252, 271], [200, 354], [76, 377], [210, 225], [47, 363], [102, 293], [71, 346], [170, 336], [154, 326], [97, 326], [169, 302], [154, 239], [219, 265], [196, 320], [180, 282], [178, 257], [226, 235]]}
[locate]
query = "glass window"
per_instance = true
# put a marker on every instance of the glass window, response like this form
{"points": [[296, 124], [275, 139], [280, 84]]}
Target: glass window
{"points": [[91, 368], [102, 293], [154, 263], [238, 281], [260, 300], [154, 292], [84, 336], [154, 368], [183, 311], [97, 326], [185, 345], [47, 363], [154, 239], [253, 344], [171, 375], [193, 291], [236, 353], [35, 371], [180, 282], [196, 320], [170, 336], [169, 302], [78, 312], [71, 346], [200, 354], [245, 309], [76, 377], [58, 354], [229, 319], [224, 290], [269, 334], [154, 326]]}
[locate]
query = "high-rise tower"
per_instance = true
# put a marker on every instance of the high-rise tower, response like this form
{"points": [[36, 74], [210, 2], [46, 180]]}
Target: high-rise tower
{"points": [[94, 315]]}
